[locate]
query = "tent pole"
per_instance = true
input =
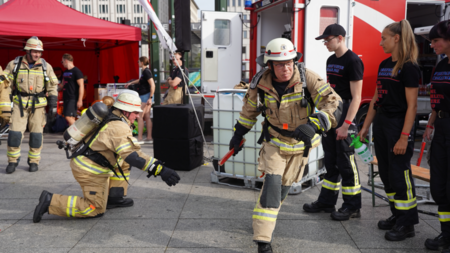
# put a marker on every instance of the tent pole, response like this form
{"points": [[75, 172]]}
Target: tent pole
{"points": [[153, 44]]}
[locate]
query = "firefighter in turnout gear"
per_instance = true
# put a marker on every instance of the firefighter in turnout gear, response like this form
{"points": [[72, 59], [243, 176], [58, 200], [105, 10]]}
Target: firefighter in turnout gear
{"points": [[5, 101], [290, 128], [31, 79], [104, 186]]}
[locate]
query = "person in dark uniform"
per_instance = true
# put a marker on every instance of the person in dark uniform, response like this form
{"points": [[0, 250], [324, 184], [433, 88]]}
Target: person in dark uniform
{"points": [[393, 110], [73, 88], [440, 146], [344, 73]]}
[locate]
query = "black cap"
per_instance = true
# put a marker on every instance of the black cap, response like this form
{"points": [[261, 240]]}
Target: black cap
{"points": [[332, 30]]}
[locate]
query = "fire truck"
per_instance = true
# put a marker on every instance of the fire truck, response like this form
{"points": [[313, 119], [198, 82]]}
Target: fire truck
{"points": [[302, 21]]}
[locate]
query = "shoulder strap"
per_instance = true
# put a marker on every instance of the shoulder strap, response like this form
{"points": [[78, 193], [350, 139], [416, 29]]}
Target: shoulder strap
{"points": [[257, 77], [44, 70]]}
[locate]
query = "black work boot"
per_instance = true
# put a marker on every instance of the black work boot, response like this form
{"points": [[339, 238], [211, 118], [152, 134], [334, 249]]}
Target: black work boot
{"points": [[33, 167], [264, 247], [400, 233], [440, 242], [44, 202], [387, 224], [316, 207], [11, 167], [116, 199], [345, 214]]}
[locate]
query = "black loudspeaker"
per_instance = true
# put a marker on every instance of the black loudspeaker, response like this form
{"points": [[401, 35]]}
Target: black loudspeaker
{"points": [[177, 122], [179, 154], [125, 22], [183, 25]]}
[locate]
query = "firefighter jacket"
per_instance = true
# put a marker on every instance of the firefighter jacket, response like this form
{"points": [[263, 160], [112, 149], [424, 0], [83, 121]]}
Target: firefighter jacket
{"points": [[290, 114], [116, 143], [31, 81], [5, 90]]}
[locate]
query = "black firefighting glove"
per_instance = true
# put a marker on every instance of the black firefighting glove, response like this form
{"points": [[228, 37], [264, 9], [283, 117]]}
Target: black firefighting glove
{"points": [[305, 133], [167, 174], [52, 103], [239, 133], [320, 122]]}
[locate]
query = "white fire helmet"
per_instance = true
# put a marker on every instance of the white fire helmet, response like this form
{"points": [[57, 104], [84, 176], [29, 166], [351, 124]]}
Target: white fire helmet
{"points": [[280, 49], [34, 43], [128, 102]]}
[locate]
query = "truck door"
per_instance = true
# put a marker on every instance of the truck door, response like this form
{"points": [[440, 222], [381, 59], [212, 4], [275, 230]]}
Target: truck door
{"points": [[221, 62], [320, 14]]}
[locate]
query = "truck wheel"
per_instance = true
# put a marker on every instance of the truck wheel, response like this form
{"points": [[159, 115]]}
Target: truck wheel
{"points": [[361, 116]]}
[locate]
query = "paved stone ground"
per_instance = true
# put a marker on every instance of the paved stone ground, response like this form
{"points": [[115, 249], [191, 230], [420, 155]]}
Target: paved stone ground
{"points": [[194, 216]]}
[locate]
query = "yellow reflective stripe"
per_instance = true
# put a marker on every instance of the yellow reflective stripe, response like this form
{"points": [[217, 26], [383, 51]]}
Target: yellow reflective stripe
{"points": [[246, 122], [79, 160], [265, 211], [331, 185], [158, 169], [13, 153], [444, 216], [251, 103], [34, 155], [71, 203], [149, 164], [10, 76], [355, 170], [87, 211], [328, 119], [291, 98], [409, 192], [119, 177], [123, 147], [316, 122], [316, 100], [296, 147], [405, 204], [5, 104], [351, 190], [323, 88], [95, 138], [269, 98], [29, 101], [257, 217], [390, 196]]}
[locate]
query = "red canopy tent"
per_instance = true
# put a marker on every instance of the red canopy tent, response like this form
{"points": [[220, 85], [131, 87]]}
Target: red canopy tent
{"points": [[101, 49]]}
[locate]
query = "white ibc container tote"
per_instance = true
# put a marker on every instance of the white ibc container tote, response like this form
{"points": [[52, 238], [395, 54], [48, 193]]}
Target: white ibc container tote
{"points": [[227, 105]]}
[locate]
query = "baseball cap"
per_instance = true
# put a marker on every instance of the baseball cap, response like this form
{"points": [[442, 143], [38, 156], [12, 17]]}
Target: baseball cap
{"points": [[331, 30]]}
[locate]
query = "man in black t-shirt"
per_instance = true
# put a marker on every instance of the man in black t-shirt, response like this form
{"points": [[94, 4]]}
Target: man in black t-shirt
{"points": [[344, 73], [73, 88]]}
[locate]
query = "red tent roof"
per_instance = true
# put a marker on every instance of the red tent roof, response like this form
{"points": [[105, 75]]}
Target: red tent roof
{"points": [[101, 49], [50, 18]]}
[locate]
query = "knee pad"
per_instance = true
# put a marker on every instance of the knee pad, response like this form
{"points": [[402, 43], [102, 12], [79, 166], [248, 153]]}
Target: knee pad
{"points": [[271, 194], [35, 140], [284, 191], [14, 139]]}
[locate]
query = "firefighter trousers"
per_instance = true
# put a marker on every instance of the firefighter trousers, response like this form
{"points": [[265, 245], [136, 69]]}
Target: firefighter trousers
{"points": [[340, 164], [17, 126], [281, 171], [440, 171], [395, 170]]}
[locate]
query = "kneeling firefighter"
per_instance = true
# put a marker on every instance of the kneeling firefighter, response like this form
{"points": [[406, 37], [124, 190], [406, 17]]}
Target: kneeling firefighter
{"points": [[5, 100], [101, 164], [31, 80], [288, 94]]}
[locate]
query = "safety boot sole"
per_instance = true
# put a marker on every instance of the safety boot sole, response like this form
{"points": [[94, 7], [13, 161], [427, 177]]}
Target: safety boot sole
{"points": [[124, 204], [388, 237], [40, 208], [353, 215], [318, 210]]}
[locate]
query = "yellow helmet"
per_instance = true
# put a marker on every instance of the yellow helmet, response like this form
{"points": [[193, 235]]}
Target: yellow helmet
{"points": [[34, 43], [128, 102]]}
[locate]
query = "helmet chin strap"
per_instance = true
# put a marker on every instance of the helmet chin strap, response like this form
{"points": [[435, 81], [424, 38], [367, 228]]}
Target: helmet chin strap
{"points": [[30, 58]]}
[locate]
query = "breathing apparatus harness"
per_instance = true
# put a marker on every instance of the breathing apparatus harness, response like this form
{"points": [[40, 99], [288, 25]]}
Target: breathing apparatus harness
{"points": [[85, 150], [16, 92], [265, 135]]}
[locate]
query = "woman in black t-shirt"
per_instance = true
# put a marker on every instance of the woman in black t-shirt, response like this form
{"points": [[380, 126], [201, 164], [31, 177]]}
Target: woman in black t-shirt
{"points": [[440, 147], [145, 86], [393, 110]]}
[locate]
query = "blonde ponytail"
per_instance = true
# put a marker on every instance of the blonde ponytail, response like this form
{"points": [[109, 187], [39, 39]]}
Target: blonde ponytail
{"points": [[407, 48]]}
